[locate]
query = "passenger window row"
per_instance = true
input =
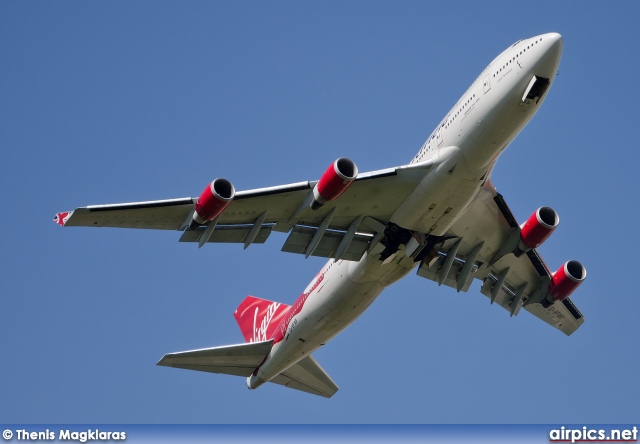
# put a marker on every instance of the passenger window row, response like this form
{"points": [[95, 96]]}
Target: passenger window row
{"points": [[516, 57]]}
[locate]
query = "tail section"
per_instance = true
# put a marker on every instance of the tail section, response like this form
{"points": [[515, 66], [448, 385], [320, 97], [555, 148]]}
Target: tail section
{"points": [[258, 318], [243, 359], [259, 321]]}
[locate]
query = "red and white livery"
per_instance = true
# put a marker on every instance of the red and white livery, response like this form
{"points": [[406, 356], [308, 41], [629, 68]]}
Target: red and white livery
{"points": [[439, 215]]}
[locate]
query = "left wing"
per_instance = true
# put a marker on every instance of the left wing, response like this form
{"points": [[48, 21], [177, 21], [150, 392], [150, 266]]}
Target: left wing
{"points": [[481, 245]]}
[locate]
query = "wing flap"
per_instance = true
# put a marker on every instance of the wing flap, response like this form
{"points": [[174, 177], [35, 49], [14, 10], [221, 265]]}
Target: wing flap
{"points": [[451, 280], [301, 237], [307, 376], [238, 360], [228, 234]]}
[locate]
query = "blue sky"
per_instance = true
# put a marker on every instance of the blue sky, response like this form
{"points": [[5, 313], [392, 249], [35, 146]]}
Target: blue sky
{"points": [[105, 102]]}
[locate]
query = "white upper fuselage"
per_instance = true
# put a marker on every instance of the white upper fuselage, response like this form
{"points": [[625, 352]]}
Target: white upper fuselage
{"points": [[467, 143]]}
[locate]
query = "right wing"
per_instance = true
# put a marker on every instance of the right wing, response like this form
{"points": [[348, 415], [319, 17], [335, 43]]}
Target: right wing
{"points": [[365, 206]]}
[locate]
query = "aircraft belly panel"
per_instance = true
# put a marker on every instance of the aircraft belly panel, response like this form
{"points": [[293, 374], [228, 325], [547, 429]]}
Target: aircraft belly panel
{"points": [[325, 314]]}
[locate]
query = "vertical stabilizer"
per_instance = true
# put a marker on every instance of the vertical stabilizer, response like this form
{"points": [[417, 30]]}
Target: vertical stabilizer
{"points": [[258, 318]]}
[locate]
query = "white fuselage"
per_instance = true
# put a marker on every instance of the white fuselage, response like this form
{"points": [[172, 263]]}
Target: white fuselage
{"points": [[470, 138]]}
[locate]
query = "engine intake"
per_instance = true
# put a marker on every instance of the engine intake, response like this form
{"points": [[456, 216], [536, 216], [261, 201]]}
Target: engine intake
{"points": [[212, 202], [336, 179]]}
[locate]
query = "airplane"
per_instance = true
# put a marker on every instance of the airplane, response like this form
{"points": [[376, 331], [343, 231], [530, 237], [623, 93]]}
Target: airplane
{"points": [[439, 214]]}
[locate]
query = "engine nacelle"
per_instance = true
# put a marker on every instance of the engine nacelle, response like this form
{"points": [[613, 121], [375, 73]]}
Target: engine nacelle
{"points": [[564, 281], [335, 181], [212, 202], [537, 228]]}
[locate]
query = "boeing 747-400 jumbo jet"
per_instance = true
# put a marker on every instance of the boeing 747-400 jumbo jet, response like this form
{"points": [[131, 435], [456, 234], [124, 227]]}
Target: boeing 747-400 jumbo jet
{"points": [[440, 214]]}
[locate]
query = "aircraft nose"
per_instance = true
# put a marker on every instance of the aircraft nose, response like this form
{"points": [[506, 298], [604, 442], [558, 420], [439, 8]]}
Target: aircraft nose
{"points": [[555, 41], [549, 57]]}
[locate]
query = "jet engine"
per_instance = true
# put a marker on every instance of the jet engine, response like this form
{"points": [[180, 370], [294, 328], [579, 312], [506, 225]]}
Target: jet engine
{"points": [[537, 229], [565, 280], [335, 181], [212, 202]]}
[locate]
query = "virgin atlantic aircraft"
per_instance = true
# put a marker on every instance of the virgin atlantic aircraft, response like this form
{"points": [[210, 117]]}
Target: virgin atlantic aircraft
{"points": [[439, 214]]}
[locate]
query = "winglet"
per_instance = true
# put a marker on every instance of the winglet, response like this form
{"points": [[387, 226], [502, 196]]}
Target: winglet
{"points": [[62, 218]]}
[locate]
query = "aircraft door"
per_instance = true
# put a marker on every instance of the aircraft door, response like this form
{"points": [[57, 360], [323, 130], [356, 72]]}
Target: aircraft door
{"points": [[439, 135]]}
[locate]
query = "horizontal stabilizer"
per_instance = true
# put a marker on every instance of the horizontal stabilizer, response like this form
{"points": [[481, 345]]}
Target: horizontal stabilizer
{"points": [[238, 360], [307, 376], [243, 359]]}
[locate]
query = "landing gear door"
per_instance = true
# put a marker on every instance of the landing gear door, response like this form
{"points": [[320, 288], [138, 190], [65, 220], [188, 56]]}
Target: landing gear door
{"points": [[536, 89]]}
